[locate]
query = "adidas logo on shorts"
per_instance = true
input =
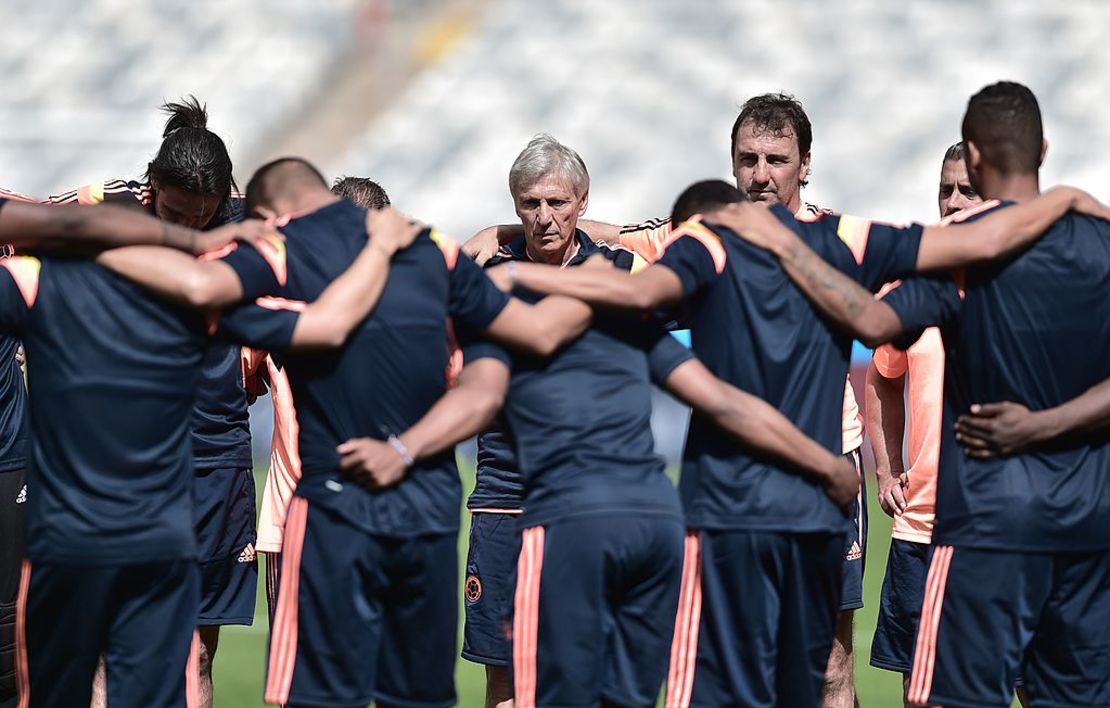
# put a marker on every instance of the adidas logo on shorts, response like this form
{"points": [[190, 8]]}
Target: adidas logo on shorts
{"points": [[247, 556], [21, 498], [855, 552]]}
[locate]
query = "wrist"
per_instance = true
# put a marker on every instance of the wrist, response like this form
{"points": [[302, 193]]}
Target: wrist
{"points": [[383, 246], [1046, 424], [402, 450]]}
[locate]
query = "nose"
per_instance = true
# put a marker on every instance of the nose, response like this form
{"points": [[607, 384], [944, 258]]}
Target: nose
{"points": [[762, 173], [544, 214]]}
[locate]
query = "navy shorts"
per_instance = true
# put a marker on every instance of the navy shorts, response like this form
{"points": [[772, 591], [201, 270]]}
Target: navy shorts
{"points": [[488, 590], [594, 610], [224, 518], [987, 611], [756, 618], [141, 617], [361, 617], [855, 551], [900, 605]]}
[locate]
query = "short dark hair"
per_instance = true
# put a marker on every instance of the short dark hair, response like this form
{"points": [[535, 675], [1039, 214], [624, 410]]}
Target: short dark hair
{"points": [[260, 188], [954, 152], [363, 191], [774, 113], [1004, 122], [191, 157], [704, 196]]}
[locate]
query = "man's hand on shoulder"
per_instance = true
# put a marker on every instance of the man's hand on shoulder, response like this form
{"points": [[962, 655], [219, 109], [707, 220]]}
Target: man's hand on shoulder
{"points": [[390, 230], [251, 231], [483, 245], [755, 224]]}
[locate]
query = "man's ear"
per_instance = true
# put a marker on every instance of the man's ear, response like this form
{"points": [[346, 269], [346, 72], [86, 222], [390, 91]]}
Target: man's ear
{"points": [[972, 156], [584, 204], [1044, 151], [803, 171]]}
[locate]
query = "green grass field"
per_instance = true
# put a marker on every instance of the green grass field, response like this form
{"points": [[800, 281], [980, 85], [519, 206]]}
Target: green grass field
{"points": [[240, 661]]}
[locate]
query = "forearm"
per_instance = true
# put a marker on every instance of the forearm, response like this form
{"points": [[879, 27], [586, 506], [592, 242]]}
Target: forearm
{"points": [[72, 227], [542, 328], [609, 287], [175, 276], [462, 412], [885, 414], [1087, 413], [329, 320], [848, 304], [993, 236], [758, 425]]}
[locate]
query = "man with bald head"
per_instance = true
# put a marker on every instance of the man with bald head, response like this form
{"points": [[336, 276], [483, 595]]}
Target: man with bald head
{"points": [[367, 610]]}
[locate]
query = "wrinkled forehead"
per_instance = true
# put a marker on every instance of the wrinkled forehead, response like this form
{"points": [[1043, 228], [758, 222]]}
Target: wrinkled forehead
{"points": [[953, 172], [763, 138], [550, 185]]}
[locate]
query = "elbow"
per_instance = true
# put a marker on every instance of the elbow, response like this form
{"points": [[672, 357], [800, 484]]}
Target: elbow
{"points": [[871, 336], [546, 343], [199, 291]]}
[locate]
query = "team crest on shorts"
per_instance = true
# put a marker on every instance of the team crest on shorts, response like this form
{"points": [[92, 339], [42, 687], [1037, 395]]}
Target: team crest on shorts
{"points": [[473, 589]]}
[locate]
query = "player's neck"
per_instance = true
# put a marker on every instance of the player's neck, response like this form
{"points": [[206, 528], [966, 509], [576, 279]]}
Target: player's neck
{"points": [[1011, 187], [305, 201]]}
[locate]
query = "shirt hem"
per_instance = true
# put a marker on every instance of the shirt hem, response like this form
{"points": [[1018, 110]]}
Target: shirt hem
{"points": [[912, 537], [1020, 548], [13, 465], [543, 519], [159, 555]]}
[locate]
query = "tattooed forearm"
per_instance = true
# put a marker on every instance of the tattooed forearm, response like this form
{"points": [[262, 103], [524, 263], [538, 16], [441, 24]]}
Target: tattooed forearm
{"points": [[835, 293]]}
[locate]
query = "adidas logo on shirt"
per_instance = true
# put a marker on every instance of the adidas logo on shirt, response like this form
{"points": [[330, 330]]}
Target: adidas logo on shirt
{"points": [[247, 556], [21, 498]]}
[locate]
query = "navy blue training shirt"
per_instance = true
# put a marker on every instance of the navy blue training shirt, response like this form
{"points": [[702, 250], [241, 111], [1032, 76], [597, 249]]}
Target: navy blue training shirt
{"points": [[753, 328], [112, 374], [582, 421], [221, 435], [497, 484], [1036, 330], [387, 375]]}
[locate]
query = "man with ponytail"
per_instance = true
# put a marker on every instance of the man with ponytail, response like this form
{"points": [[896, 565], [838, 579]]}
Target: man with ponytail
{"points": [[189, 183]]}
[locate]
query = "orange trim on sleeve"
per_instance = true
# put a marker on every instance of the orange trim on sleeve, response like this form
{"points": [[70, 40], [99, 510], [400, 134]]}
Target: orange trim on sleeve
{"points": [[272, 247], [447, 246], [708, 239], [853, 231], [25, 273], [90, 194], [889, 362]]}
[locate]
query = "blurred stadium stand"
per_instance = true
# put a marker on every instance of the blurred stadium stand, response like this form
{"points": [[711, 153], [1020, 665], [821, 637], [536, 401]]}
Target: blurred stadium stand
{"points": [[434, 98]]}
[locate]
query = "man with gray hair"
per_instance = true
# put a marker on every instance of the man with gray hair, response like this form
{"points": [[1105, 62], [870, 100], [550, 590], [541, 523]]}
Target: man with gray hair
{"points": [[550, 188]]}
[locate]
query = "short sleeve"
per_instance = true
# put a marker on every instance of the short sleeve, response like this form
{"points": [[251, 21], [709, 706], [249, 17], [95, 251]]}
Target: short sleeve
{"points": [[261, 270], [890, 362], [696, 255], [474, 301], [665, 355], [883, 252], [923, 302], [485, 349], [19, 287], [267, 323], [647, 240]]}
